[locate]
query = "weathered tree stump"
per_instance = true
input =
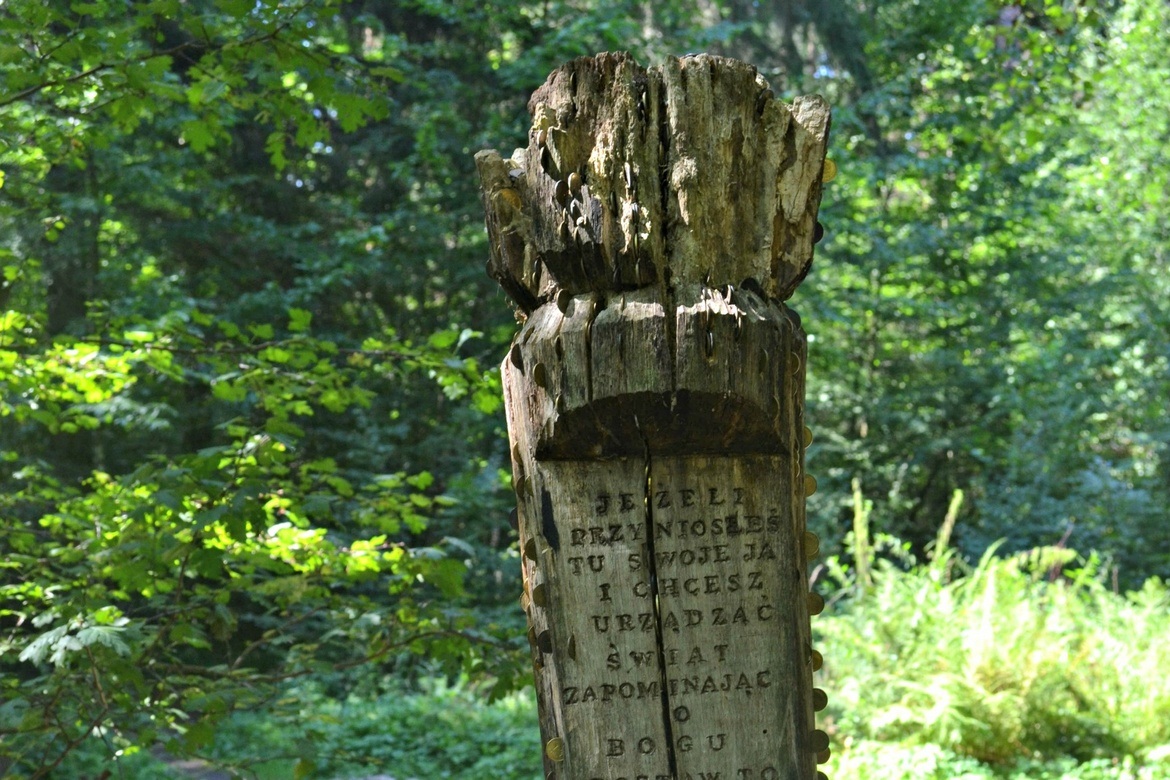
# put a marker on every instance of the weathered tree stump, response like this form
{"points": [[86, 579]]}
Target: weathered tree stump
{"points": [[649, 235]]}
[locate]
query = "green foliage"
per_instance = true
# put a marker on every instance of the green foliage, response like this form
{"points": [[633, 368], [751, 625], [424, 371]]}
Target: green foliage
{"points": [[440, 731], [1028, 656], [983, 311], [864, 760], [187, 588], [234, 453], [249, 436], [108, 68]]}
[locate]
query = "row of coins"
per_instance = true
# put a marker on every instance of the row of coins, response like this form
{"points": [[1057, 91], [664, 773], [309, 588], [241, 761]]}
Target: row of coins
{"points": [[819, 740], [812, 546]]}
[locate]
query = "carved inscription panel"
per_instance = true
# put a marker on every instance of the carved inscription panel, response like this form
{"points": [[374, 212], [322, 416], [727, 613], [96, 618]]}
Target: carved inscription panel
{"points": [[731, 594], [601, 615], [676, 596]]}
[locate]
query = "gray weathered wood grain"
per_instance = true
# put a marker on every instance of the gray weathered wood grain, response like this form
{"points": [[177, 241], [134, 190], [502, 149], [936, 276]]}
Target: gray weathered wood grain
{"points": [[649, 235]]}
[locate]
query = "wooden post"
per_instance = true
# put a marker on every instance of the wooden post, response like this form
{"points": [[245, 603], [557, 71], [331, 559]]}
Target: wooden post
{"points": [[648, 236]]}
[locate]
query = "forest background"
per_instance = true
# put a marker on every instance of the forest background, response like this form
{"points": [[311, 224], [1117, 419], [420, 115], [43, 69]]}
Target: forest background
{"points": [[253, 460]]}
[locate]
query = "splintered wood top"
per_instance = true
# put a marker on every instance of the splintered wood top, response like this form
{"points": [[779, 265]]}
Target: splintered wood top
{"points": [[688, 173]]}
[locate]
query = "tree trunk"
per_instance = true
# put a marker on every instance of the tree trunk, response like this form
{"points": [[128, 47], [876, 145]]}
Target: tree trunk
{"points": [[649, 235]]}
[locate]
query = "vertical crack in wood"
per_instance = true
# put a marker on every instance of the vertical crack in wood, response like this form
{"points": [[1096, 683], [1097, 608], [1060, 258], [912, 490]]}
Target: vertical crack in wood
{"points": [[659, 642], [664, 189]]}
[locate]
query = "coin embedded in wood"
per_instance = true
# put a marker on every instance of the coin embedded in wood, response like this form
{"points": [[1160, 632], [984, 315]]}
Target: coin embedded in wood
{"points": [[812, 545], [830, 171], [540, 595], [544, 641], [819, 699], [555, 749], [509, 196], [816, 603], [808, 437], [818, 661], [530, 549], [810, 485], [819, 741]]}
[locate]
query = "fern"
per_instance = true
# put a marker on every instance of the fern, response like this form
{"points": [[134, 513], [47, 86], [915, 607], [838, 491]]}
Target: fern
{"points": [[1024, 657]]}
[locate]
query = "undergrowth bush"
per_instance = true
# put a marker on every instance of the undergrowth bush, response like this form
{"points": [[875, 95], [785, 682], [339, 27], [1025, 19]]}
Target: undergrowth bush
{"points": [[440, 732], [1028, 657], [868, 760], [443, 732]]}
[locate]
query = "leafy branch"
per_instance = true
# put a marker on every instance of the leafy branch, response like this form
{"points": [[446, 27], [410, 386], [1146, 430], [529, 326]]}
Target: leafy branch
{"points": [[207, 46]]}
